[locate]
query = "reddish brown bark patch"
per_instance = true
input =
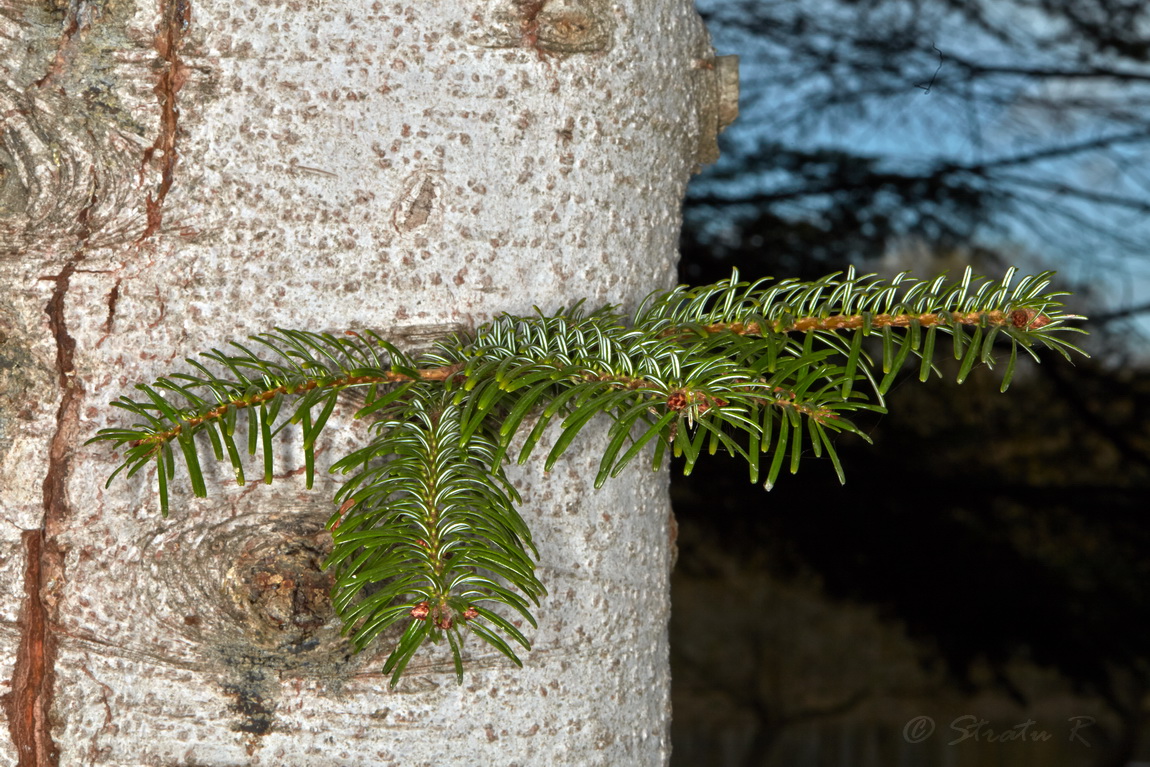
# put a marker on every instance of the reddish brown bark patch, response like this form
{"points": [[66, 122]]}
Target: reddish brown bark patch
{"points": [[176, 15], [29, 703]]}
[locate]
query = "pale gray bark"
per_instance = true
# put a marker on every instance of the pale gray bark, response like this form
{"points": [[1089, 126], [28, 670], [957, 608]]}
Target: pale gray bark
{"points": [[178, 174]]}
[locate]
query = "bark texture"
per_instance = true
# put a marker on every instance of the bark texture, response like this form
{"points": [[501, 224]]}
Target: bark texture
{"points": [[178, 173]]}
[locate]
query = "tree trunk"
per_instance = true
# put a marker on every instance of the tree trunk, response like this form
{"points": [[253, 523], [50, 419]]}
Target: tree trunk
{"points": [[173, 177]]}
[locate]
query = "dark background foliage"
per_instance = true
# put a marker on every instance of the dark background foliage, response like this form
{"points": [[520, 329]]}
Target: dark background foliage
{"points": [[997, 532]]}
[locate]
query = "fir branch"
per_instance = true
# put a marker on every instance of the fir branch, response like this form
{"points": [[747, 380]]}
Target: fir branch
{"points": [[427, 534], [267, 395], [427, 522]]}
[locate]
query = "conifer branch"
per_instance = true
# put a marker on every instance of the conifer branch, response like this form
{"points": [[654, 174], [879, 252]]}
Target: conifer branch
{"points": [[341, 382], [427, 535]]}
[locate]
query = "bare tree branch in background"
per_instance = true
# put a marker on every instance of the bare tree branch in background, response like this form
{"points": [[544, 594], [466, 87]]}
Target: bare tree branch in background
{"points": [[1033, 130]]}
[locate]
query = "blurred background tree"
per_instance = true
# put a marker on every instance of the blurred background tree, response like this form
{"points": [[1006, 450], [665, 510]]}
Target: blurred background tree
{"points": [[1006, 562]]}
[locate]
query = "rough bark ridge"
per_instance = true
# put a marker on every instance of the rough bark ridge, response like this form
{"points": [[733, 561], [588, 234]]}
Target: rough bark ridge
{"points": [[29, 703], [174, 177], [175, 17]]}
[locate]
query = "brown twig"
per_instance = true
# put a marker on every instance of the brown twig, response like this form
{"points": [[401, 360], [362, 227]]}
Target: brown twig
{"points": [[1019, 318]]}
